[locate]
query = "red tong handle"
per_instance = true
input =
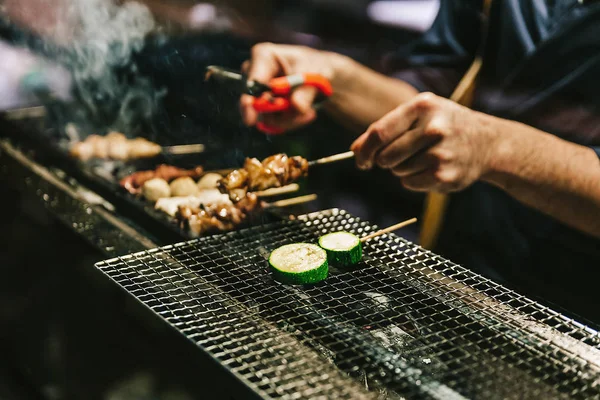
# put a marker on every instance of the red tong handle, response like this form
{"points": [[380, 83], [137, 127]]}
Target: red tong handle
{"points": [[281, 88], [269, 104], [284, 85]]}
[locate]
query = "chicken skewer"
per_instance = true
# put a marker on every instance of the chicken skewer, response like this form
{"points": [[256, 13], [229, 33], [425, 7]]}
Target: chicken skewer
{"points": [[134, 183], [273, 172], [116, 146], [172, 186], [170, 205], [223, 217]]}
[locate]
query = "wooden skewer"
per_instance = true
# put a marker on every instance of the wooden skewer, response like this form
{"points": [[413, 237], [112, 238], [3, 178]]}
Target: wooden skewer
{"points": [[388, 229], [294, 187], [184, 149], [324, 160], [333, 158], [23, 113], [293, 201]]}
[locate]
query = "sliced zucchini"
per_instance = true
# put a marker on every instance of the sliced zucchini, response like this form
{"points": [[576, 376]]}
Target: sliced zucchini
{"points": [[299, 264], [343, 248]]}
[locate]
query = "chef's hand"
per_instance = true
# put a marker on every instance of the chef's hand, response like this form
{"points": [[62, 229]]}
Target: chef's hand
{"points": [[431, 143], [272, 60]]}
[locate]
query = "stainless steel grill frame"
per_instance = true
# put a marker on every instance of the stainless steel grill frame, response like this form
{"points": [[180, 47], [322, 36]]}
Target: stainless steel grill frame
{"points": [[405, 322]]}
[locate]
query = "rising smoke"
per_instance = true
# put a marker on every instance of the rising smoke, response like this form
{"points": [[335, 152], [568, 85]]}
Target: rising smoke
{"points": [[101, 38]]}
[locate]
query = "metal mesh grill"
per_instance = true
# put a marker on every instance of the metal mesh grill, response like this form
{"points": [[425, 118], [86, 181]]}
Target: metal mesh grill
{"points": [[404, 322]]}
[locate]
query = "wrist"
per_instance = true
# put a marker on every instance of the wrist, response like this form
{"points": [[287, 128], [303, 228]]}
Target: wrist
{"points": [[342, 70], [502, 152]]}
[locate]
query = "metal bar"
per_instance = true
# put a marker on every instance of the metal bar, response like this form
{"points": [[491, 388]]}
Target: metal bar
{"points": [[77, 207]]}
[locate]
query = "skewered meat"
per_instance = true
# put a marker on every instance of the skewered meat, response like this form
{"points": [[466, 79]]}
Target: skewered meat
{"points": [[209, 181], [143, 148], [235, 184], [134, 182], [114, 146], [155, 189], [263, 177], [275, 171], [183, 186], [219, 217], [117, 146], [170, 205]]}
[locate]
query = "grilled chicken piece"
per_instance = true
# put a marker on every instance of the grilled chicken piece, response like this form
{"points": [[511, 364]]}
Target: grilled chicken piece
{"points": [[114, 146], [215, 218], [234, 180], [170, 205], [275, 171], [249, 204], [235, 184], [219, 217], [298, 167], [199, 224], [277, 165], [133, 183]]}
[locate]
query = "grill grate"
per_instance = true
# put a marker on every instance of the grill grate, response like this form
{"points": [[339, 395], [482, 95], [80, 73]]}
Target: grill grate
{"points": [[405, 322]]}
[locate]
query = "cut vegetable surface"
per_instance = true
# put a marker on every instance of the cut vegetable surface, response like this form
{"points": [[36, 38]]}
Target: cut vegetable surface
{"points": [[343, 248], [299, 264]]}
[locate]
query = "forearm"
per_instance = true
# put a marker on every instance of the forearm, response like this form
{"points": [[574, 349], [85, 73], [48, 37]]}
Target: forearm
{"points": [[362, 96], [559, 178]]}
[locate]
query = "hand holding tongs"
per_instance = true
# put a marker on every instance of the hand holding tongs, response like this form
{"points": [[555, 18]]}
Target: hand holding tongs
{"points": [[275, 95]]}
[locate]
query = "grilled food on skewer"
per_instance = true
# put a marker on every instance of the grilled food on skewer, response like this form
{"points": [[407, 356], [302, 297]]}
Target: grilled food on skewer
{"points": [[170, 205], [114, 146], [222, 217], [133, 183], [302, 263], [183, 186], [156, 188], [209, 181], [343, 248], [307, 263], [217, 217], [274, 171]]}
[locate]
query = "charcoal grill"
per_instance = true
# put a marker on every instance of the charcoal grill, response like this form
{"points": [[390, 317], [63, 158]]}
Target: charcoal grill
{"points": [[405, 322]]}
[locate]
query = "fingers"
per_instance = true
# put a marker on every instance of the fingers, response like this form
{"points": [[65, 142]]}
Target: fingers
{"points": [[382, 133], [440, 179], [430, 172], [404, 147], [269, 61], [417, 164], [421, 182], [263, 66], [246, 67], [303, 98], [249, 114]]}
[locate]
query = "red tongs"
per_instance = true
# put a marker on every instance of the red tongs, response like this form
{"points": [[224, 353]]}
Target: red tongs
{"points": [[274, 96]]}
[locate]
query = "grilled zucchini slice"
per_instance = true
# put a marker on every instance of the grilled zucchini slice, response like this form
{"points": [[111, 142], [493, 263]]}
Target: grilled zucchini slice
{"points": [[343, 248], [299, 264]]}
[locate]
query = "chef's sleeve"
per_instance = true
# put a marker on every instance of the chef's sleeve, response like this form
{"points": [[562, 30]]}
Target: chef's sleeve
{"points": [[438, 60]]}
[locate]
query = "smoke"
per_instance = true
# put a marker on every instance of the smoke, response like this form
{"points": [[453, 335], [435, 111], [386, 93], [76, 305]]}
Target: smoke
{"points": [[101, 38]]}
